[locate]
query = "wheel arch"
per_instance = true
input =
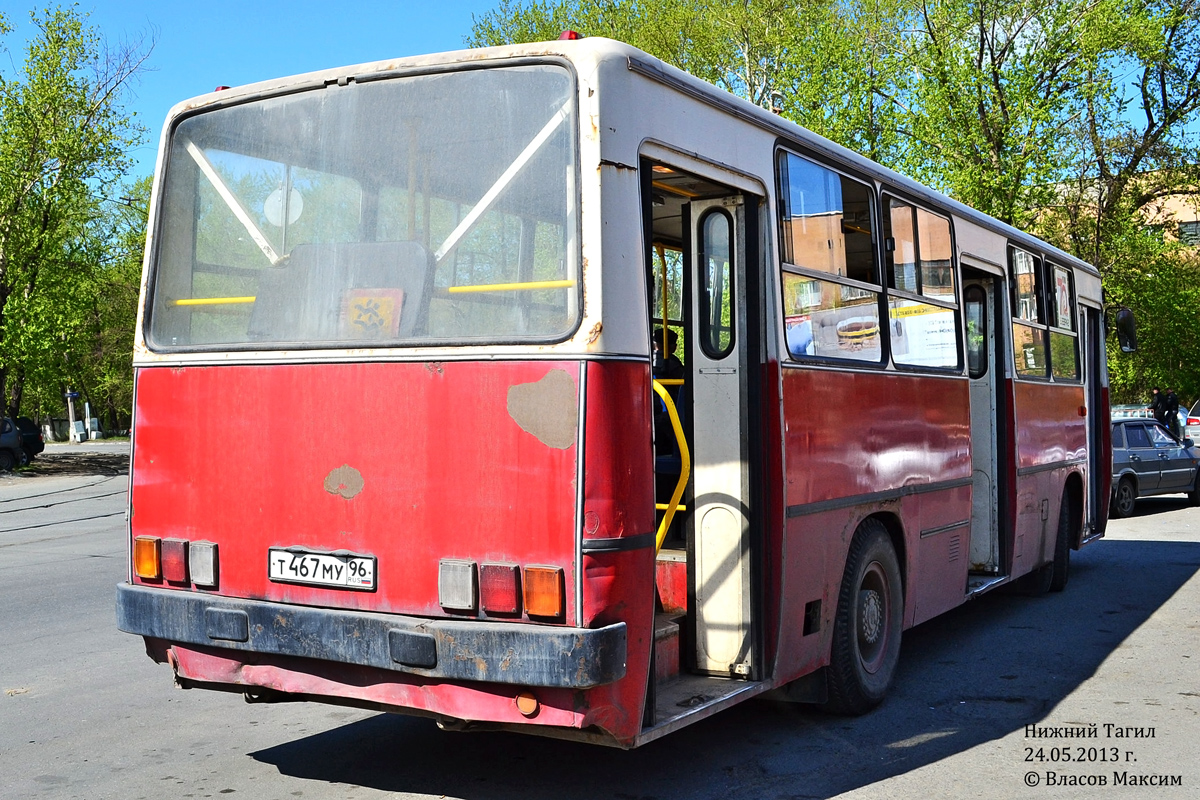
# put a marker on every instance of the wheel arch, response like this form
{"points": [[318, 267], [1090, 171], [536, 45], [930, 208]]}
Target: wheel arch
{"points": [[1073, 496], [895, 530], [1126, 474]]}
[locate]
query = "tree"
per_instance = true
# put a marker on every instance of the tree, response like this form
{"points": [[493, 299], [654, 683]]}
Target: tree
{"points": [[816, 62], [64, 136]]}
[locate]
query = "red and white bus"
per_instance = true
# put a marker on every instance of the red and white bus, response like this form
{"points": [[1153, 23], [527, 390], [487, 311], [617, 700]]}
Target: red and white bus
{"points": [[399, 441]]}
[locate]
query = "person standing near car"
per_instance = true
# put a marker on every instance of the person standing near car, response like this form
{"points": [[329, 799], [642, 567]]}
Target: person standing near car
{"points": [[1158, 405], [1171, 404]]}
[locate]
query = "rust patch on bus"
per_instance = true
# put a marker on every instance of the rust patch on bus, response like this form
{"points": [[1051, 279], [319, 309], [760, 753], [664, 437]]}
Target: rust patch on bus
{"points": [[594, 333], [546, 409], [345, 480]]}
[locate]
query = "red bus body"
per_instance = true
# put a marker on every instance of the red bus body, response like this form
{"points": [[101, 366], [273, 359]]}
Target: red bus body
{"points": [[495, 468]]}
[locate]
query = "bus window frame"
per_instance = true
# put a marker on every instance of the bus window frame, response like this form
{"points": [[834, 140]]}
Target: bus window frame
{"points": [[1045, 293], [1036, 324], [952, 302], [155, 234], [782, 187], [1073, 316]]}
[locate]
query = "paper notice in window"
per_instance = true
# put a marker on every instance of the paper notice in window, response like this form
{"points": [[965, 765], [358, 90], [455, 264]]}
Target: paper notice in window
{"points": [[1062, 294], [372, 313]]}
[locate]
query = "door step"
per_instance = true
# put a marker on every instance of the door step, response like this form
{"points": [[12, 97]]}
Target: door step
{"points": [[666, 647], [980, 583], [670, 576]]}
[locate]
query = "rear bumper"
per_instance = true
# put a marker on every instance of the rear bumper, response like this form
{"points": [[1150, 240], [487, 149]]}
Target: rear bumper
{"points": [[495, 652]]}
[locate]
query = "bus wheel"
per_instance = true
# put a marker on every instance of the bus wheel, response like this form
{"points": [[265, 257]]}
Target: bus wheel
{"points": [[866, 633], [1061, 566], [1124, 499]]}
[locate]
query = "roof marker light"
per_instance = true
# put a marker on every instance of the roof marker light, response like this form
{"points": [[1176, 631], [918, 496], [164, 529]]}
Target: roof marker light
{"points": [[567, 36]]}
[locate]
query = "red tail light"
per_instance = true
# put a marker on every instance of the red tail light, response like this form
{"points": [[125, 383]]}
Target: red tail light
{"points": [[500, 588], [175, 560]]}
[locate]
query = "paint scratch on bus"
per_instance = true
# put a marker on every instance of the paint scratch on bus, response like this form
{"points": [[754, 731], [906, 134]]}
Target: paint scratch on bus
{"points": [[345, 481], [546, 409]]}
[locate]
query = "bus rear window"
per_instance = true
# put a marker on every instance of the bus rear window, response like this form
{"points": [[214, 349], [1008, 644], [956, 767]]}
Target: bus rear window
{"points": [[432, 209]]}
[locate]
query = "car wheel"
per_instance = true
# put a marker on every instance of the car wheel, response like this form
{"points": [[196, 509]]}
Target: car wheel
{"points": [[23, 458], [1061, 566], [1194, 494], [866, 633], [1123, 499], [28, 456], [7, 460]]}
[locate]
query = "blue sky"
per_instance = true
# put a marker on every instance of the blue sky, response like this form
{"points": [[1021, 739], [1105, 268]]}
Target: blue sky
{"points": [[201, 45]]}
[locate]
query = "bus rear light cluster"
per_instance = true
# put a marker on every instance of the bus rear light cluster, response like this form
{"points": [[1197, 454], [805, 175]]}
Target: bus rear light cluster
{"points": [[544, 591], [501, 589], [175, 561]]}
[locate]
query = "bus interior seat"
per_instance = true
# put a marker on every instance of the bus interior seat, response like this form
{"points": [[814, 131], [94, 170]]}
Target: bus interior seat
{"points": [[304, 300]]}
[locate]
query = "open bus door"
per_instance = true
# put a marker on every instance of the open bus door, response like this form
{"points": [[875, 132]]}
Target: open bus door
{"points": [[717, 351], [1098, 422], [703, 266], [984, 304]]}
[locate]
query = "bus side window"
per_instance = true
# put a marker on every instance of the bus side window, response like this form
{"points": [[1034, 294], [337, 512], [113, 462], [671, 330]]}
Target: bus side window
{"points": [[831, 288], [977, 355]]}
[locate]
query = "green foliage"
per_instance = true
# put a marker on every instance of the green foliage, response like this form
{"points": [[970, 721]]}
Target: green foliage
{"points": [[814, 61], [64, 249], [1160, 282]]}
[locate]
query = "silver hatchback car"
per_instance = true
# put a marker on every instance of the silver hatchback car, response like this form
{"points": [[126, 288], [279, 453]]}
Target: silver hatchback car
{"points": [[1148, 460]]}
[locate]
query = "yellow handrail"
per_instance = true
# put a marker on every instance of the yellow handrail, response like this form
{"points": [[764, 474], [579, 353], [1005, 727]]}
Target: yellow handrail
{"points": [[685, 458], [484, 287], [213, 301], [528, 286]]}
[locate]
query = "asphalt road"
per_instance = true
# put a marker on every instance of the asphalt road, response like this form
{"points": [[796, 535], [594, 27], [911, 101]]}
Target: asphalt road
{"points": [[84, 713]]}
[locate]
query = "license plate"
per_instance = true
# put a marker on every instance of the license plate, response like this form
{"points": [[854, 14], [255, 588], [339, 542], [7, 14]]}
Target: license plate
{"points": [[344, 571]]}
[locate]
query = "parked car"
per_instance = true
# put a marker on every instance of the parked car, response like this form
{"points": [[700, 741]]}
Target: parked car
{"points": [[1191, 421], [1148, 460], [11, 451], [32, 441]]}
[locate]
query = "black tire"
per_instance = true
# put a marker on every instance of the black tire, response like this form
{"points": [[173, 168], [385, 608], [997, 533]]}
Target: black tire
{"points": [[1123, 499], [7, 460], [1038, 582], [1061, 566], [28, 456], [1194, 494], [866, 632]]}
